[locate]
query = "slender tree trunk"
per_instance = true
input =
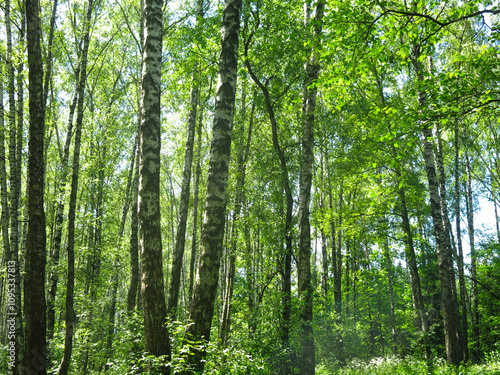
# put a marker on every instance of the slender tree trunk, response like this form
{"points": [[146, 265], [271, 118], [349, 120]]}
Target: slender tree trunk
{"points": [[337, 253], [194, 237], [70, 286], [462, 335], [156, 336], [134, 242], [287, 267], [180, 239], [324, 244], [243, 152], [390, 280], [411, 259], [250, 279], [48, 68], [348, 261], [202, 307], [121, 229], [16, 175], [444, 252], [134, 287], [59, 218], [34, 290], [475, 291], [3, 195], [460, 258], [305, 286]]}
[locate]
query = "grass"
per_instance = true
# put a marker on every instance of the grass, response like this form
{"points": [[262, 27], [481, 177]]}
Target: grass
{"points": [[411, 366]]}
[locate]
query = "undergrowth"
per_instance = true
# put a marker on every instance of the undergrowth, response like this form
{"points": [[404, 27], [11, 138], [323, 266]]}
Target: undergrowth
{"points": [[411, 366]]}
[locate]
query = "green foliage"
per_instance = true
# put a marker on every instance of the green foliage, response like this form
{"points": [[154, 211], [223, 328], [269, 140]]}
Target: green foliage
{"points": [[410, 366]]}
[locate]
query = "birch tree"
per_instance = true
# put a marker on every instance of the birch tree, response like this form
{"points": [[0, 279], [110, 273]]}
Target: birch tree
{"points": [[156, 336], [207, 277]]}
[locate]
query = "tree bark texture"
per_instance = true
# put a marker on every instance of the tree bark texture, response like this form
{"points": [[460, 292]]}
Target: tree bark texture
{"points": [[156, 336], [34, 290], [204, 293]]}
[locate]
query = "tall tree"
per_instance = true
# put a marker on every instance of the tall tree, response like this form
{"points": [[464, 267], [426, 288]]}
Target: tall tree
{"points": [[156, 336], [34, 290], [204, 293], [305, 286], [444, 251]]}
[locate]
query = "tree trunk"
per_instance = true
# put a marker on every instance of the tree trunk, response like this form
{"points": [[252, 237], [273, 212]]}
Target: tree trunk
{"points": [[4, 200], [475, 291], [180, 238], [444, 252], [16, 175], [70, 286], [462, 335], [337, 253], [305, 286], [243, 152], [194, 237], [287, 267], [156, 336], [57, 238], [324, 244], [134, 243], [390, 280], [34, 289], [460, 258], [202, 307]]}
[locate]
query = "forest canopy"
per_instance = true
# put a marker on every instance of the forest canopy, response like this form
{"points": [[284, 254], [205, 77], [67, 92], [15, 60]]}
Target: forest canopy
{"points": [[249, 187]]}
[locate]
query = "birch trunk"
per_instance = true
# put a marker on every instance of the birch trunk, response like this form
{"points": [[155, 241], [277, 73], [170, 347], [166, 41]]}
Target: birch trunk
{"points": [[156, 336], [204, 293], [444, 251]]}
